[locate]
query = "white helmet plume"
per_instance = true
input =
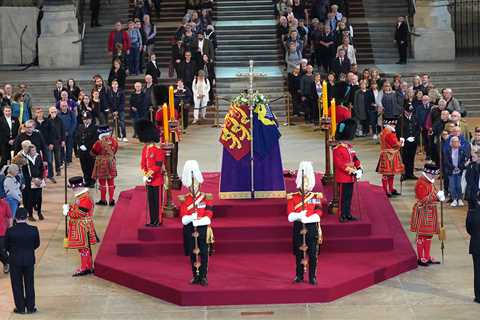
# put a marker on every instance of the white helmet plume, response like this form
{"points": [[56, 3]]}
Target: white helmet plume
{"points": [[191, 167], [308, 173]]}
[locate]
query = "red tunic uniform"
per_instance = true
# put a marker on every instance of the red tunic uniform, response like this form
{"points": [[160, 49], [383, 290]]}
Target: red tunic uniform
{"points": [[80, 223], [424, 220], [153, 158], [312, 203], [390, 161], [345, 162], [104, 151], [203, 206], [342, 113]]}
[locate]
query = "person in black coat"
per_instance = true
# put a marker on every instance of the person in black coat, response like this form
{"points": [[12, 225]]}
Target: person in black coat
{"points": [[85, 137], [48, 133], [401, 39], [58, 90], [34, 136], [341, 64], [95, 9], [58, 139], [183, 95], [187, 70], [294, 79], [138, 105], [472, 176], [117, 107], [21, 241], [153, 69], [473, 229], [409, 130], [117, 72], [9, 127]]}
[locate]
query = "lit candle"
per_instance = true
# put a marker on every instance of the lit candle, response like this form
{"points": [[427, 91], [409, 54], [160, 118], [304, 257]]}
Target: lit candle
{"points": [[324, 99], [166, 130], [171, 103], [333, 110]]}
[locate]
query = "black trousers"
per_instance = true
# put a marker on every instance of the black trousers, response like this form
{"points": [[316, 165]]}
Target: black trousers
{"points": [[308, 106], [87, 162], [5, 154], [311, 239], [203, 246], [22, 278], [346, 192], [408, 157], [3, 252], [57, 157], [476, 275], [32, 199], [402, 52], [153, 196]]}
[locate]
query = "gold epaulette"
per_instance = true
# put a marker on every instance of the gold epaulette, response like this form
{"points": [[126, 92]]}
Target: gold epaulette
{"points": [[319, 195], [208, 196], [181, 198]]}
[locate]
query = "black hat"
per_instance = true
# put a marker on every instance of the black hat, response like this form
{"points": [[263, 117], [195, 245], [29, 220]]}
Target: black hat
{"points": [[76, 182], [346, 130], [431, 168], [146, 131], [21, 213], [87, 115], [103, 128]]}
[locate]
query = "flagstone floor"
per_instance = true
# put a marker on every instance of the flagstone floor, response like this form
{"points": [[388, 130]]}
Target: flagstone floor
{"points": [[440, 292]]}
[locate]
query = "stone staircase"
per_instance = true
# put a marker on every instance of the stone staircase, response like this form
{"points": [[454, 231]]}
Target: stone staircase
{"points": [[96, 39], [374, 26], [246, 30]]}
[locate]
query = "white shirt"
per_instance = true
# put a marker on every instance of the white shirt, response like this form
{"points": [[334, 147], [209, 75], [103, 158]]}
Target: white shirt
{"points": [[9, 121], [200, 46]]}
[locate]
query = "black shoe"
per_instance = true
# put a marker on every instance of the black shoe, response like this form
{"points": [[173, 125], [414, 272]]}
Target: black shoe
{"points": [[18, 311], [204, 282], [433, 262], [111, 203], [152, 225], [81, 273], [343, 219], [298, 279], [195, 280], [313, 281], [396, 193], [352, 218], [421, 263], [40, 216], [101, 203], [32, 311], [477, 300], [389, 195], [31, 218]]}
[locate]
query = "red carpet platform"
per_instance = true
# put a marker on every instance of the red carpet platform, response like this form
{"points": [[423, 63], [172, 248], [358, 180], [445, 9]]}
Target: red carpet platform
{"points": [[253, 262]]}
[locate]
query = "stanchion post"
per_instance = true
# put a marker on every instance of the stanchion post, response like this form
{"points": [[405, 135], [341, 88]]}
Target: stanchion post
{"points": [[168, 206], [216, 122]]}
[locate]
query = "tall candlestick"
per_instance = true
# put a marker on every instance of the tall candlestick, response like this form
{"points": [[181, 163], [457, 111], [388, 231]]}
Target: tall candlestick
{"points": [[333, 110], [324, 99], [171, 103], [166, 129]]}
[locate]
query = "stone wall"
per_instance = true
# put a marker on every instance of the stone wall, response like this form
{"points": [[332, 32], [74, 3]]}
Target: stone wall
{"points": [[12, 22]]}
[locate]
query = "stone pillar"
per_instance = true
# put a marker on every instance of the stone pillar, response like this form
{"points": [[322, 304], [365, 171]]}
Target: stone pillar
{"points": [[55, 45], [436, 41], [13, 20]]}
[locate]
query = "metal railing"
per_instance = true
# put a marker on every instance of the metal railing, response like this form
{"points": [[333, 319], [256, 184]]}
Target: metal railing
{"points": [[466, 26]]}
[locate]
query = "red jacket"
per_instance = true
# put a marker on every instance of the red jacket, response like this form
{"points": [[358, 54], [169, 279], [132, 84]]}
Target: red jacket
{"points": [[153, 158], [126, 41], [5, 216], [312, 203], [80, 222], [203, 204], [345, 162]]}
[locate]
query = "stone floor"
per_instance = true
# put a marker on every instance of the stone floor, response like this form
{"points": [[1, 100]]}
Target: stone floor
{"points": [[440, 292]]}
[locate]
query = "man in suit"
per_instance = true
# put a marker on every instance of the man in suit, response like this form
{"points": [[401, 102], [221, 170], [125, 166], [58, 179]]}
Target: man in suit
{"points": [[153, 69], [341, 64], [21, 241], [203, 46], [401, 39], [57, 92], [473, 229], [8, 133]]}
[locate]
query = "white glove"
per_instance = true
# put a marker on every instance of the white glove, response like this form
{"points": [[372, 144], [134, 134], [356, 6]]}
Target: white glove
{"points": [[411, 139], [294, 216], [194, 215], [83, 148], [187, 219], [402, 141], [66, 208], [205, 221], [145, 179], [441, 195], [358, 174]]}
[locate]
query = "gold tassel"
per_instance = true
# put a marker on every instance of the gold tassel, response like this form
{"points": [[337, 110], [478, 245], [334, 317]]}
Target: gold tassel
{"points": [[443, 234], [210, 237], [65, 243]]}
